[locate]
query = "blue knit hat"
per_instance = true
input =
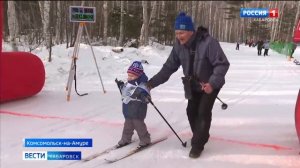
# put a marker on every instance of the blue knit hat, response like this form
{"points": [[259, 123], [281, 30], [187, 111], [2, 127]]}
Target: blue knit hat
{"points": [[136, 68], [184, 22]]}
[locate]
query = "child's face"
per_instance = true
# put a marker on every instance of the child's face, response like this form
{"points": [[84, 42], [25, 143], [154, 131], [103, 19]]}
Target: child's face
{"points": [[131, 76]]}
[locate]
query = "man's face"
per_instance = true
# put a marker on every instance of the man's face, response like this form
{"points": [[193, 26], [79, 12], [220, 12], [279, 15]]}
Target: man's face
{"points": [[183, 36]]}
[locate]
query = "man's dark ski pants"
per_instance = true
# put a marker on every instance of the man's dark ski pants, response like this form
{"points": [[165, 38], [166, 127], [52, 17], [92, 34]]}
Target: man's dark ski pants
{"points": [[199, 112]]}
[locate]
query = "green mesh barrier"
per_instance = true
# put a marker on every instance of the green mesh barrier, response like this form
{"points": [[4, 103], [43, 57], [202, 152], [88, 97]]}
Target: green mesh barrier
{"points": [[282, 47]]}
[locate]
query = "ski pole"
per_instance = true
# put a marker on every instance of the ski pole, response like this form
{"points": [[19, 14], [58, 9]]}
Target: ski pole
{"points": [[116, 80], [224, 105], [183, 143]]}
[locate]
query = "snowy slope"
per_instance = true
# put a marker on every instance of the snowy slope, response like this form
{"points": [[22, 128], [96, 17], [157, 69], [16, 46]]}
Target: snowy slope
{"points": [[257, 130]]}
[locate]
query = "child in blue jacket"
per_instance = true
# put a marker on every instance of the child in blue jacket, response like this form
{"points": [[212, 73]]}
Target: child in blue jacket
{"points": [[135, 97]]}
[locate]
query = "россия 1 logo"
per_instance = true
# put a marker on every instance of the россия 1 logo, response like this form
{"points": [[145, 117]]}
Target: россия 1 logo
{"points": [[259, 13]]}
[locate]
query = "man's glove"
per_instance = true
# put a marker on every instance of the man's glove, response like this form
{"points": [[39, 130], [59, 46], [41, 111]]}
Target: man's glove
{"points": [[149, 87], [145, 97]]}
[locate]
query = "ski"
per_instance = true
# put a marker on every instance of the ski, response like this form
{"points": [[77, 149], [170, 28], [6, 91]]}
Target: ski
{"points": [[93, 156], [135, 150]]}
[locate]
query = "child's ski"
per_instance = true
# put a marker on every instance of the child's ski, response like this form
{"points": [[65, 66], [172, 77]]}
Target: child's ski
{"points": [[135, 150], [93, 156]]}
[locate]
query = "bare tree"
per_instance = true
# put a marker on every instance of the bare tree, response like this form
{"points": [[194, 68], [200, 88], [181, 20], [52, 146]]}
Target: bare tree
{"points": [[163, 24], [178, 5], [105, 20], [281, 16], [210, 22], [45, 9], [153, 11], [194, 9], [121, 37], [274, 25], [12, 23], [280, 7], [45, 12], [58, 23], [200, 19], [213, 24], [153, 16], [225, 31], [67, 25], [145, 28]]}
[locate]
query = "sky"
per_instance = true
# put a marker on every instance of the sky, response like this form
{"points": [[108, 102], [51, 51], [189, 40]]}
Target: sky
{"points": [[257, 130]]}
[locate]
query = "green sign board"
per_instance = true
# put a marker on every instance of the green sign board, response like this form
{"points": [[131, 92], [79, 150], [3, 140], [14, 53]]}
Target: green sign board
{"points": [[82, 14]]}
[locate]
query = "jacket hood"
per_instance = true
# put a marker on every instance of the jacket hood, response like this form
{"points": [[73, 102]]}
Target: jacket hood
{"points": [[202, 32]]}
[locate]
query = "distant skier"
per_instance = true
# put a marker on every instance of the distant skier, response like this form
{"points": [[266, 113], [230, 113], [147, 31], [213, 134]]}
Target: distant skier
{"points": [[266, 46], [135, 96], [259, 44], [237, 46], [251, 42]]}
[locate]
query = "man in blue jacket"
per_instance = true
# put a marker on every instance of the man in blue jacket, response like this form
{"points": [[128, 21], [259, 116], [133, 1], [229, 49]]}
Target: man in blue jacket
{"points": [[204, 67]]}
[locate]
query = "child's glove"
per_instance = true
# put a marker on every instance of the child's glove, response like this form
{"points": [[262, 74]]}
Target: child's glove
{"points": [[119, 83]]}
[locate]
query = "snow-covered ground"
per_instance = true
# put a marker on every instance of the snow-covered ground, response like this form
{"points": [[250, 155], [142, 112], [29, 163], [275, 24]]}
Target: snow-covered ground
{"points": [[256, 131]]}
